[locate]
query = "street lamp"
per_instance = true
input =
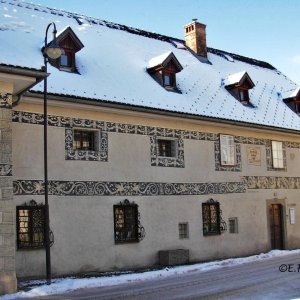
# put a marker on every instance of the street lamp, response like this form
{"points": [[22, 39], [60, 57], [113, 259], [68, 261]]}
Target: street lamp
{"points": [[51, 51]]}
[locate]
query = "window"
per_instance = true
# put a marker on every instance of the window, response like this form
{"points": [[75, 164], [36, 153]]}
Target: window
{"points": [[126, 222], [84, 140], [244, 96], [183, 230], [30, 227], [66, 60], [277, 155], [233, 225], [169, 80], [211, 218], [166, 148], [227, 150]]}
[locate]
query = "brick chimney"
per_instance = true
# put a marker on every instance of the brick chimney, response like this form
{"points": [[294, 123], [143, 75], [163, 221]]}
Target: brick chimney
{"points": [[195, 37]]}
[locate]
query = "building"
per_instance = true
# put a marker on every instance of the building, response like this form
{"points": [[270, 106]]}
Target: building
{"points": [[154, 144]]}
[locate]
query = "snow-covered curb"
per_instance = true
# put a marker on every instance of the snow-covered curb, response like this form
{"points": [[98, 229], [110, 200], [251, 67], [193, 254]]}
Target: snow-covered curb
{"points": [[65, 285]]}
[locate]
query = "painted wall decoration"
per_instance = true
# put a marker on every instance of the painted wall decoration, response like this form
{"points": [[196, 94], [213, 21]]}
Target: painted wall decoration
{"points": [[104, 188], [254, 156], [5, 100]]}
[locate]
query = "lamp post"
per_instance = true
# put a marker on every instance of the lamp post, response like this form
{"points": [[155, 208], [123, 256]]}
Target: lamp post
{"points": [[51, 51]]}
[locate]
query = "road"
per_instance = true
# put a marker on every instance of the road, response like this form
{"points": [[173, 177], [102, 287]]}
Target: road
{"points": [[256, 280]]}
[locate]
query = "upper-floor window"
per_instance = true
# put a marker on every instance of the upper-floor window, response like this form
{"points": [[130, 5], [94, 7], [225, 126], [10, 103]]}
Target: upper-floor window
{"points": [[238, 85], [227, 149], [277, 155], [166, 148], [84, 140], [163, 69], [30, 227]]}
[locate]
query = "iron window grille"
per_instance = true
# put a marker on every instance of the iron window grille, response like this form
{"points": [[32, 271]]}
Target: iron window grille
{"points": [[84, 140], [166, 148], [211, 218], [233, 225], [30, 227], [126, 222], [183, 230]]}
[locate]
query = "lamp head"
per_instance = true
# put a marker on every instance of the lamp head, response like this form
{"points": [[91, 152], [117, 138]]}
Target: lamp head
{"points": [[53, 50]]}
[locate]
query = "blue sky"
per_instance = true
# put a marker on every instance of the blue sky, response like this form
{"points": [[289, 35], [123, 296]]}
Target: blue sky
{"points": [[262, 29]]}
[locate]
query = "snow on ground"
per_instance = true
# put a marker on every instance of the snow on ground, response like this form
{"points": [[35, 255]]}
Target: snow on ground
{"points": [[65, 285]]}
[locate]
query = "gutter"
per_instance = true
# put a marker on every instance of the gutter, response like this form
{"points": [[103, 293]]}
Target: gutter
{"points": [[144, 109], [39, 75]]}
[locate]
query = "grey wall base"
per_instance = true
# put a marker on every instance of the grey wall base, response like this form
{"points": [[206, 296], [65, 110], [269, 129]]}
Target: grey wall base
{"points": [[8, 283]]}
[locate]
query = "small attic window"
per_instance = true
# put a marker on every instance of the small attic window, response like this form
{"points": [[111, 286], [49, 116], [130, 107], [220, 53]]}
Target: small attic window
{"points": [[163, 70], [238, 85], [292, 100], [70, 43]]}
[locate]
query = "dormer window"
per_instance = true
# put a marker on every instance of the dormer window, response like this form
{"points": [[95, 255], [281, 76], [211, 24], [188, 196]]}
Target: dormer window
{"points": [[70, 43], [292, 100], [163, 69], [238, 85], [244, 95]]}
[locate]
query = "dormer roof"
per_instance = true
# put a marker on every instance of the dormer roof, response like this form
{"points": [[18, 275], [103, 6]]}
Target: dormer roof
{"points": [[291, 95], [163, 61], [68, 39], [239, 79]]}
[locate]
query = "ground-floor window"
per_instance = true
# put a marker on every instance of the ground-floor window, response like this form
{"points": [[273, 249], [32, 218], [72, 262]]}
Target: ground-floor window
{"points": [[211, 217], [126, 222], [30, 227]]}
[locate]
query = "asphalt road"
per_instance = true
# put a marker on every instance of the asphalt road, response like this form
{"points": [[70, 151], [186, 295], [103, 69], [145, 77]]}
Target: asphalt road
{"points": [[257, 280]]}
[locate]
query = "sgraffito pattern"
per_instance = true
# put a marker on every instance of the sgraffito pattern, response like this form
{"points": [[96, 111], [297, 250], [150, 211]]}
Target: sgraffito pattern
{"points": [[103, 188], [271, 182]]}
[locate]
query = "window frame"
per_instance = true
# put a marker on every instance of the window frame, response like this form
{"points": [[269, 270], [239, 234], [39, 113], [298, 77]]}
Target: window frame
{"points": [[183, 233], [93, 133], [70, 66], [117, 233], [277, 155], [171, 150], [30, 244], [227, 148], [233, 230], [243, 95], [172, 79], [210, 226]]}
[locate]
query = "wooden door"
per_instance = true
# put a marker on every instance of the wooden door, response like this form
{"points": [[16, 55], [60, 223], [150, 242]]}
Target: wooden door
{"points": [[276, 226]]}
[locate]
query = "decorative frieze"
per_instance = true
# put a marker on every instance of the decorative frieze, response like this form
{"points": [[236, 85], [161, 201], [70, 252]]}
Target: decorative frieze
{"points": [[5, 100], [104, 188], [5, 170], [38, 119], [271, 182]]}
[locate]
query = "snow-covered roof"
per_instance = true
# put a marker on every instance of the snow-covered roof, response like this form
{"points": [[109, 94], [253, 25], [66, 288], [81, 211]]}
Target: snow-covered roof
{"points": [[291, 93], [235, 78], [113, 67]]}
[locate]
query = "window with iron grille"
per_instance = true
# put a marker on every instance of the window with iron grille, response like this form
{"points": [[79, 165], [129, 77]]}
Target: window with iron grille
{"points": [[84, 140], [166, 148], [233, 225], [211, 218], [30, 227], [126, 223], [183, 230]]}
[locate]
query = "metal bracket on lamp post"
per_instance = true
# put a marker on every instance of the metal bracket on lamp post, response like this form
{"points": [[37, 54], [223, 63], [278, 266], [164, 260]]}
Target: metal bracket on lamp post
{"points": [[51, 51]]}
